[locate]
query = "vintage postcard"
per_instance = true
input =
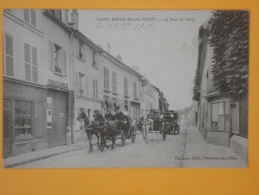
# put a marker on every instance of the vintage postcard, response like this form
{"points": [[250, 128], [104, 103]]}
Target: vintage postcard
{"points": [[133, 97], [89, 88]]}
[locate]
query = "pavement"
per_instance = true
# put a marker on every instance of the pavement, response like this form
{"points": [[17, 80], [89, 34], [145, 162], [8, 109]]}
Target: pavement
{"points": [[198, 153], [21, 159]]}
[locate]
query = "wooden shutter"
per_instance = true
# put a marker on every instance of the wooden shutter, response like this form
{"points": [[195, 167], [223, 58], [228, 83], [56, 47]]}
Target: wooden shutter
{"points": [[34, 56], [61, 61], [96, 87], [91, 56], [33, 18], [215, 112], [9, 55], [107, 72], [77, 47], [93, 88], [26, 15], [35, 74], [86, 86], [51, 56], [77, 82], [104, 76], [27, 72]]}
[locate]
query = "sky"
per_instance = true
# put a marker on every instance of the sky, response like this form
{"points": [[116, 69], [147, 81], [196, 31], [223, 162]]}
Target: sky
{"points": [[163, 44]]}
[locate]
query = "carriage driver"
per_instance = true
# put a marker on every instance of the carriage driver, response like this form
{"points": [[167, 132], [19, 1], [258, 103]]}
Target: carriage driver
{"points": [[108, 116], [119, 116]]}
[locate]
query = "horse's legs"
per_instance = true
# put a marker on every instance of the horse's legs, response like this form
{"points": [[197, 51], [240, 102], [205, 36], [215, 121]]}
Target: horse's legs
{"points": [[98, 144], [89, 139]]}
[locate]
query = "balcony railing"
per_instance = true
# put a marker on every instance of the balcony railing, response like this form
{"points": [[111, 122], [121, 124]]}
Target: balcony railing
{"points": [[58, 70]]}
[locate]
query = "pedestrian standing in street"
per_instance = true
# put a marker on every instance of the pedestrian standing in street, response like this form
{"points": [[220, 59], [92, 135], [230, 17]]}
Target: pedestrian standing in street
{"points": [[146, 126]]}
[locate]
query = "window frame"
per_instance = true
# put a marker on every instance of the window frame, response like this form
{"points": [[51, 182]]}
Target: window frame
{"points": [[32, 17], [114, 82], [32, 62], [216, 122], [234, 109], [126, 92]]}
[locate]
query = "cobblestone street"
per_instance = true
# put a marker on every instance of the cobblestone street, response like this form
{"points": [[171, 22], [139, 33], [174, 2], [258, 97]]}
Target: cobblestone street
{"points": [[158, 153]]}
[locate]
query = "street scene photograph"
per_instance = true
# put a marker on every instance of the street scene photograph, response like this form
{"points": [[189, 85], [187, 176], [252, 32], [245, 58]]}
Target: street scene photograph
{"points": [[125, 88]]}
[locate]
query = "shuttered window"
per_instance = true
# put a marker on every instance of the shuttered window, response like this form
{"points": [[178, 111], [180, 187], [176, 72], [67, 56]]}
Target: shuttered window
{"points": [[8, 56], [114, 83], [57, 59], [135, 89], [95, 89], [31, 62], [106, 78], [29, 16], [125, 86]]}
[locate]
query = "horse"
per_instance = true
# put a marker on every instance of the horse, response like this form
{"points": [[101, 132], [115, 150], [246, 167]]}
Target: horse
{"points": [[109, 130], [90, 129]]}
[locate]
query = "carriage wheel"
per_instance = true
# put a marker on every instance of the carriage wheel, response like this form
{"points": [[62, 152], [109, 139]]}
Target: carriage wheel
{"points": [[164, 133], [123, 139], [133, 134]]}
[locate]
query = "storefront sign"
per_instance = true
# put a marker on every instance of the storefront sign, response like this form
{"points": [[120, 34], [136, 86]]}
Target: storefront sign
{"points": [[57, 84]]}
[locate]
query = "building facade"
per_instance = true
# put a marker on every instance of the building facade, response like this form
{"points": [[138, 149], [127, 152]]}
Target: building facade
{"points": [[219, 114], [51, 71], [121, 86]]}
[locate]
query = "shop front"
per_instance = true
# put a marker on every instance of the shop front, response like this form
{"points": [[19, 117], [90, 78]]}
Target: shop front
{"points": [[24, 117]]}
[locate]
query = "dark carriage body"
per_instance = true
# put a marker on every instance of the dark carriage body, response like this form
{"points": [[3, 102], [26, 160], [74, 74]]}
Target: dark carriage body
{"points": [[169, 120], [155, 115]]}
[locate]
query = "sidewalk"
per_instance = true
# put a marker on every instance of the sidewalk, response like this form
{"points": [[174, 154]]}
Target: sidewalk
{"points": [[46, 153], [198, 153]]}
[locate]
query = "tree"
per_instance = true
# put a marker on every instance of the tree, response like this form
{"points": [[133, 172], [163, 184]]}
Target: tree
{"points": [[228, 35]]}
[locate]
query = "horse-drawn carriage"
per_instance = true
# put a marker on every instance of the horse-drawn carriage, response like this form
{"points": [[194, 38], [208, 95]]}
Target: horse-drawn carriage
{"points": [[169, 123], [108, 130]]}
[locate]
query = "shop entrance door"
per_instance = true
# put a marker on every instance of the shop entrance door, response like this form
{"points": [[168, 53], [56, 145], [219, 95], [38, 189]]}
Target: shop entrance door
{"points": [[57, 133]]}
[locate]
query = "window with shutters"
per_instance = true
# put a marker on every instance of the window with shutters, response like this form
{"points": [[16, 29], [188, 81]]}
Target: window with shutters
{"points": [[31, 63], [135, 89], [106, 78], [57, 59], [114, 83], [29, 16], [81, 50], [218, 118], [56, 13], [125, 86], [8, 55], [235, 117], [94, 58], [95, 89], [81, 84]]}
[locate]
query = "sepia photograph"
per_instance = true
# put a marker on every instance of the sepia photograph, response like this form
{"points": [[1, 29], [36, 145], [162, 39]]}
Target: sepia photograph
{"points": [[125, 88]]}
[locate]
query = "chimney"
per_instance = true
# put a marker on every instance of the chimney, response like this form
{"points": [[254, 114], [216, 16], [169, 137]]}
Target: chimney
{"points": [[119, 58], [136, 68], [109, 48], [74, 19]]}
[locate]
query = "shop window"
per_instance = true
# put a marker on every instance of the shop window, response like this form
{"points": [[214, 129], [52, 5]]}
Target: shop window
{"points": [[30, 58], [218, 119], [29, 16], [23, 120], [6, 118], [57, 59], [235, 117], [8, 56]]}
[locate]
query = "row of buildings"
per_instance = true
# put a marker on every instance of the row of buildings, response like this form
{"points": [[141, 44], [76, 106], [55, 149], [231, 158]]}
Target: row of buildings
{"points": [[51, 71], [221, 118]]}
